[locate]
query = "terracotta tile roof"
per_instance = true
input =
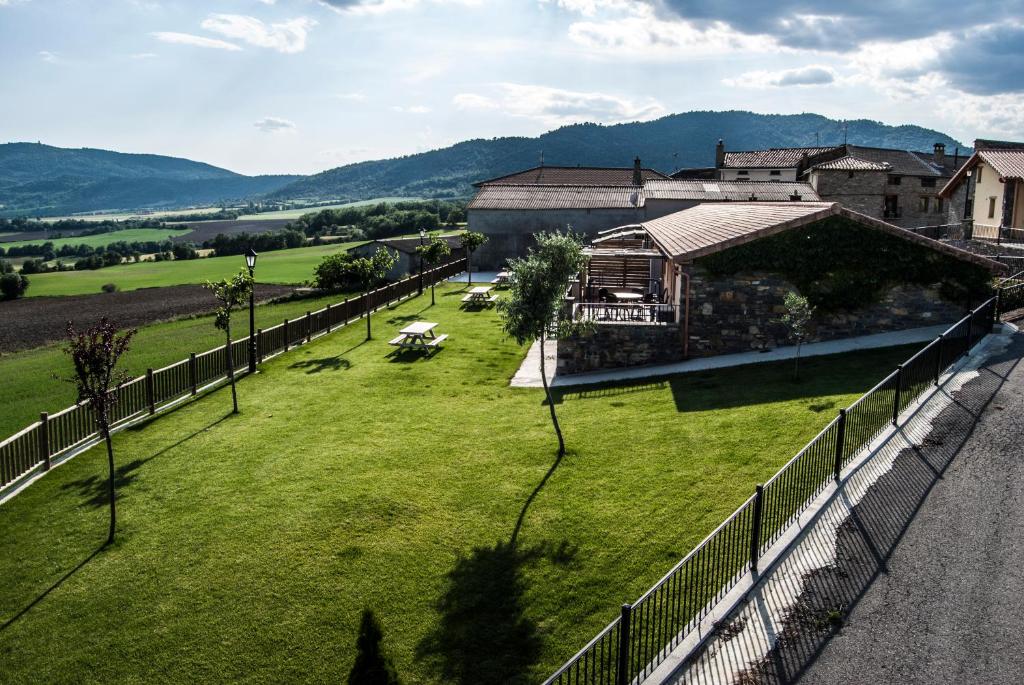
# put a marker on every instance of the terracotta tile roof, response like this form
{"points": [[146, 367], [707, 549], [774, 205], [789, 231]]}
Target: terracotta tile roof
{"points": [[574, 175], [906, 162], [851, 163], [1007, 163], [773, 158], [766, 191], [714, 227], [501, 196]]}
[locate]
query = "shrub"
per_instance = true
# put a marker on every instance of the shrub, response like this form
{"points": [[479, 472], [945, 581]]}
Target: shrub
{"points": [[6, 267], [12, 286], [109, 287], [336, 271]]}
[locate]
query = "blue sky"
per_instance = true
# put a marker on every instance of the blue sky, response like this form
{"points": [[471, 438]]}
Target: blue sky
{"points": [[275, 86]]}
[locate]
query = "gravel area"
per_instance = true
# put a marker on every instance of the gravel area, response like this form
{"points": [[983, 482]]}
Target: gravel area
{"points": [[34, 321]]}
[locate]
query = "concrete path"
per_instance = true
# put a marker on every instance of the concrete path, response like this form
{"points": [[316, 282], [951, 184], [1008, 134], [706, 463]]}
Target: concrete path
{"points": [[912, 570], [528, 375]]}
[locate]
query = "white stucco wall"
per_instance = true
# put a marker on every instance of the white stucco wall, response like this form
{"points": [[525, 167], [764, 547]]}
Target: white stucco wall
{"points": [[757, 175]]}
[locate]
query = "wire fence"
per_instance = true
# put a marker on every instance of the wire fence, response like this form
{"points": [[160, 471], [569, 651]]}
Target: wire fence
{"points": [[36, 446], [630, 647]]}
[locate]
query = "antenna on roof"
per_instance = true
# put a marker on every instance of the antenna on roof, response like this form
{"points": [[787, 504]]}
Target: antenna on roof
{"points": [[542, 158], [817, 139]]}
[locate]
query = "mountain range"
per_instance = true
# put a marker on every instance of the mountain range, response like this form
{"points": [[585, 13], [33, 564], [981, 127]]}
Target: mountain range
{"points": [[39, 179]]}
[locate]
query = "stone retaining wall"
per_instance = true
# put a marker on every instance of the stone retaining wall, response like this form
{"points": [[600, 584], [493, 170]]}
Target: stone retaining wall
{"points": [[617, 345]]}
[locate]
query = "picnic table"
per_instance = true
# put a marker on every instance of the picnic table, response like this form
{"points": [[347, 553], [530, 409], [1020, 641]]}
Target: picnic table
{"points": [[627, 296], [500, 278], [418, 336], [480, 295]]}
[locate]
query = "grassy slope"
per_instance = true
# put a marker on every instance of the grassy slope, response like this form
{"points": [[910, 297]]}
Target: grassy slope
{"points": [[249, 544], [280, 266], [128, 235], [29, 386]]}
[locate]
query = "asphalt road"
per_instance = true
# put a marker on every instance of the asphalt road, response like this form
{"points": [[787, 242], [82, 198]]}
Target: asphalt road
{"points": [[929, 581]]}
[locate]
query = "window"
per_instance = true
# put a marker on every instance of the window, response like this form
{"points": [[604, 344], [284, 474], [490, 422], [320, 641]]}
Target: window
{"points": [[891, 207], [927, 182], [742, 172], [922, 204], [977, 177], [939, 205], [991, 208], [775, 172], [894, 180]]}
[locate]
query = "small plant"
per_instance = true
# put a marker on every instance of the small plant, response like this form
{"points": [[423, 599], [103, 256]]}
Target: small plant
{"points": [[470, 241], [432, 253], [109, 287], [95, 353], [372, 666], [797, 318], [230, 293], [12, 286]]}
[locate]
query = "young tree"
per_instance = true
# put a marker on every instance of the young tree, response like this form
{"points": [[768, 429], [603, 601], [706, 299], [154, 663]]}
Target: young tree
{"points": [[230, 293], [370, 270], [471, 240], [95, 353], [797, 318], [537, 286], [372, 666], [12, 285], [432, 253]]}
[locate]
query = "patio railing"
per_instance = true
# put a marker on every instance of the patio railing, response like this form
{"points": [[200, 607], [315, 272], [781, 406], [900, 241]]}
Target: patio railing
{"points": [[629, 648], [36, 446], [623, 312]]}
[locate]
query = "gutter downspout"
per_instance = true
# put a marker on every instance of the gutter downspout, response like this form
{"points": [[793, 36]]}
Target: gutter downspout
{"points": [[686, 313]]}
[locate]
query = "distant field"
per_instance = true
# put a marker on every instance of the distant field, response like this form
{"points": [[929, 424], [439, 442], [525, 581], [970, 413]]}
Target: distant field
{"points": [[281, 266], [123, 216], [129, 235], [296, 213]]}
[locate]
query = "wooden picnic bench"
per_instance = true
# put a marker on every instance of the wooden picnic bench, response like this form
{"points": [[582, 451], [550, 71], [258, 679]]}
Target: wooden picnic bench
{"points": [[480, 295], [418, 336]]}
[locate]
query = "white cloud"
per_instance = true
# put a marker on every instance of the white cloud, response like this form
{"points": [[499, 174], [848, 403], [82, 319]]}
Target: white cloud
{"points": [[352, 97], [377, 7], [50, 57], [411, 109], [143, 55], [274, 125], [193, 40], [555, 106], [811, 75], [287, 37]]}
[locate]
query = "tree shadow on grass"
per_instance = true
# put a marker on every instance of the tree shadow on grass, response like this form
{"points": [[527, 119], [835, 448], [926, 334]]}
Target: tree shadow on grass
{"points": [[335, 363], [485, 635], [12, 620], [94, 488]]}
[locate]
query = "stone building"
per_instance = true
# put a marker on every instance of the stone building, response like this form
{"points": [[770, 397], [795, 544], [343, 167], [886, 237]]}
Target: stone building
{"points": [[711, 280], [993, 181], [407, 260]]}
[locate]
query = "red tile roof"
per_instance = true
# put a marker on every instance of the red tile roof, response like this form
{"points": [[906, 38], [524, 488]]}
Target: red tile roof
{"points": [[574, 175], [1007, 163], [714, 227], [851, 163], [773, 158]]}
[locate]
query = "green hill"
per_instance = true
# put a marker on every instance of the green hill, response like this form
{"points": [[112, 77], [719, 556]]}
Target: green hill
{"points": [[677, 140], [41, 179]]}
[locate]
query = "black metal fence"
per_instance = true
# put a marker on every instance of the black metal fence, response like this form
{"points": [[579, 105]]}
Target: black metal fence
{"points": [[626, 312], [645, 632], [53, 435]]}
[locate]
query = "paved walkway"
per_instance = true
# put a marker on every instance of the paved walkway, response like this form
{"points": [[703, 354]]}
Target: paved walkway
{"points": [[913, 570], [528, 375]]}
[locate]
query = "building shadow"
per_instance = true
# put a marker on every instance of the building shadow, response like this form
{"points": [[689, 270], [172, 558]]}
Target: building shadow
{"points": [[866, 540]]}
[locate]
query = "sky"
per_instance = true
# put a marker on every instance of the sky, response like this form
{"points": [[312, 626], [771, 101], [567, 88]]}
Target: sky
{"points": [[299, 86]]}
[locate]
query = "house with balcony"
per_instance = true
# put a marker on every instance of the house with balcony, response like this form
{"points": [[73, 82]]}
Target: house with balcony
{"points": [[992, 182], [711, 280]]}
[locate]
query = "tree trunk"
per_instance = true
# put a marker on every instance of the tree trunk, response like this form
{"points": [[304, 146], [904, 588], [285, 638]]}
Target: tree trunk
{"points": [[105, 431], [796, 369], [432, 302], [366, 296], [551, 402], [231, 370], [469, 268]]}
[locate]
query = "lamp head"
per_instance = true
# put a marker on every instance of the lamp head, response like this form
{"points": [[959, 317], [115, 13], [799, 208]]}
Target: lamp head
{"points": [[250, 258]]}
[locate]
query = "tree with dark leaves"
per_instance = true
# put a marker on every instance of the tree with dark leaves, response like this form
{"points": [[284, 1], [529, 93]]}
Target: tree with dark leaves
{"points": [[470, 241], [95, 353], [230, 293], [432, 253]]}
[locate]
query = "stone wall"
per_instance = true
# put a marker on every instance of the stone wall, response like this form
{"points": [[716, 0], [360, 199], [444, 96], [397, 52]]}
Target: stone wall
{"points": [[617, 345], [741, 313], [865, 191]]}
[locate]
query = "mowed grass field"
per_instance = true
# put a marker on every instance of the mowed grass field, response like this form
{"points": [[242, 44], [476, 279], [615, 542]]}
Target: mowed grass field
{"points": [[296, 213], [29, 384], [424, 489], [281, 266], [129, 235]]}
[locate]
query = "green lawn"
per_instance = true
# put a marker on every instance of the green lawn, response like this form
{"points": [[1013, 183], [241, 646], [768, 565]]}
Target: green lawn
{"points": [[425, 489], [29, 385], [129, 235], [296, 213], [280, 266]]}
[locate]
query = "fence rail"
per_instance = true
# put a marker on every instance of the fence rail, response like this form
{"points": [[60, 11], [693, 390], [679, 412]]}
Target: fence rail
{"points": [[646, 631], [52, 436]]}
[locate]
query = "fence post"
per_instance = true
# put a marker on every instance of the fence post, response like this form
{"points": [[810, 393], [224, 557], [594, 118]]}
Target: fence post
{"points": [[286, 335], [44, 440], [938, 358], [755, 527], [840, 443], [259, 345], [970, 329], [622, 668], [193, 373], [150, 392], [309, 325], [896, 398], [328, 317], [999, 300]]}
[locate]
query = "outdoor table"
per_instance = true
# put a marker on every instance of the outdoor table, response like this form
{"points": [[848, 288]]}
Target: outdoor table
{"points": [[418, 336], [627, 296], [479, 295], [500, 278]]}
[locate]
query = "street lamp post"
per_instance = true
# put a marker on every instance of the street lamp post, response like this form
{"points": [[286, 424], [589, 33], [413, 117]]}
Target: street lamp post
{"points": [[250, 261], [423, 237]]}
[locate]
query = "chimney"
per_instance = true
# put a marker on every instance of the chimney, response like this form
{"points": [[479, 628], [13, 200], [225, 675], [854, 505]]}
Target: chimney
{"points": [[720, 154], [638, 178], [940, 153]]}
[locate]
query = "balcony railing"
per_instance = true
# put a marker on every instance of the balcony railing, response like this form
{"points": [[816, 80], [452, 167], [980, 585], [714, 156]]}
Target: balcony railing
{"points": [[623, 312]]}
